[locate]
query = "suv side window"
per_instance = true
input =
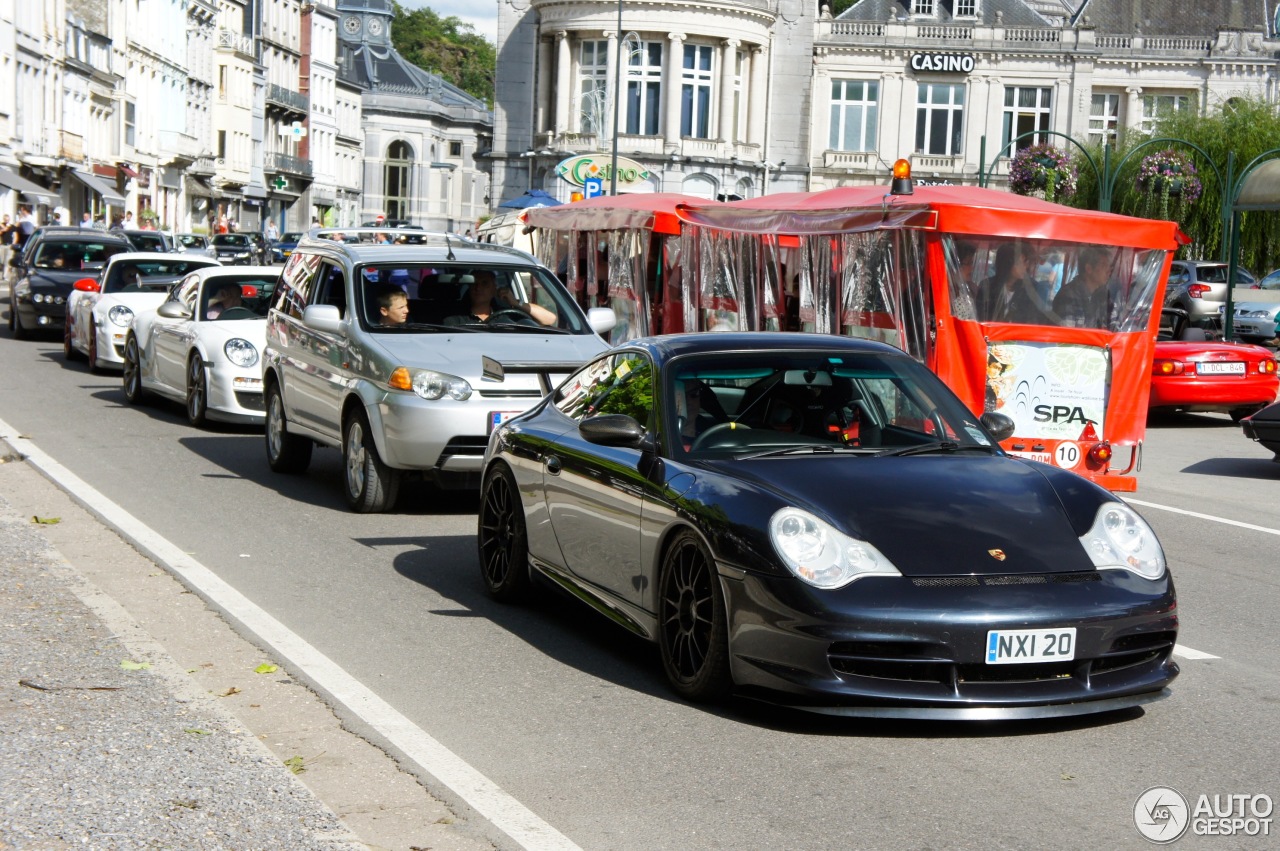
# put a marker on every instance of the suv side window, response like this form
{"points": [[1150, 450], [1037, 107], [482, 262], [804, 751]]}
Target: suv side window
{"points": [[330, 288], [296, 282]]}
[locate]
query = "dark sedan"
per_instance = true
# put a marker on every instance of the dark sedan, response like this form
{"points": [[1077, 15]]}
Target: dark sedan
{"points": [[821, 522], [48, 272], [235, 249]]}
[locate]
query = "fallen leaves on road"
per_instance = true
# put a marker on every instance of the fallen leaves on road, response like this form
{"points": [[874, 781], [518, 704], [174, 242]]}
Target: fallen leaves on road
{"points": [[229, 692], [47, 521], [266, 668], [130, 665]]}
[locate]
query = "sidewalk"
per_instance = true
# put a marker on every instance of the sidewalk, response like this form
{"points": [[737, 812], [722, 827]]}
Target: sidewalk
{"points": [[110, 740]]}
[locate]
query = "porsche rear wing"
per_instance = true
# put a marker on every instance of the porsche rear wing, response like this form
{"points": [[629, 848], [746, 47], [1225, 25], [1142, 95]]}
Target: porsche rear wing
{"points": [[495, 370]]}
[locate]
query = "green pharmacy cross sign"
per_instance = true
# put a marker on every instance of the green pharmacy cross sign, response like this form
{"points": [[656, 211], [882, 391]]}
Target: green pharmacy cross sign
{"points": [[280, 183]]}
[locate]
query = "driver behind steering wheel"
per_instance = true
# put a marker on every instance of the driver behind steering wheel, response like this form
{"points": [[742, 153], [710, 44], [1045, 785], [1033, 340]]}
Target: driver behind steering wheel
{"points": [[489, 303]]}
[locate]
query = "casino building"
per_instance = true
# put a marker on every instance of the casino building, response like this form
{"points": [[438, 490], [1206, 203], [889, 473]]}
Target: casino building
{"points": [[748, 97]]}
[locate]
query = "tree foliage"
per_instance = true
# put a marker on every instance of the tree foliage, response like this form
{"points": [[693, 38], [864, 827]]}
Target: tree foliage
{"points": [[448, 47], [1246, 128]]}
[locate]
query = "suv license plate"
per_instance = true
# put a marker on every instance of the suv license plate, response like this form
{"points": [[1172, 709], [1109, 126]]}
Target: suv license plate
{"points": [[1220, 368], [1020, 646], [497, 418]]}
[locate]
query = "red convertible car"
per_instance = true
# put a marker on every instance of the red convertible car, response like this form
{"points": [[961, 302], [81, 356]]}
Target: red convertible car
{"points": [[1193, 373]]}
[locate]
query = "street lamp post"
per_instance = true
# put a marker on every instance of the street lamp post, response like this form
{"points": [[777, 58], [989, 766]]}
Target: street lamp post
{"points": [[617, 98]]}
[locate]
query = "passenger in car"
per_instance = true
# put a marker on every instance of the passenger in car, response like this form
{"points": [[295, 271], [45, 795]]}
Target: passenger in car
{"points": [[488, 301], [227, 296], [393, 306]]}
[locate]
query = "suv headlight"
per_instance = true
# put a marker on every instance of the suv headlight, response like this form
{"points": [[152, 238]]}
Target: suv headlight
{"points": [[430, 385], [820, 554], [240, 352], [1121, 539], [120, 315]]}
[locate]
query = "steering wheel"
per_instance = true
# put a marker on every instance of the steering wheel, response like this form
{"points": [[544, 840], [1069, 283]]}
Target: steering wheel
{"points": [[719, 428], [237, 313], [514, 316]]}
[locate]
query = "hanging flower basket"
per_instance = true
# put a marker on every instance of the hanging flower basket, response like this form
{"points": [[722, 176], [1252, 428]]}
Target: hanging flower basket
{"points": [[1166, 175], [1043, 169]]}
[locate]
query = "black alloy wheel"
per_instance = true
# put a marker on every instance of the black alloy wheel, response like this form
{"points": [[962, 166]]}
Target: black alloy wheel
{"points": [[503, 543], [15, 324], [371, 486], [92, 357], [69, 350], [131, 378], [197, 391], [692, 630], [286, 453]]}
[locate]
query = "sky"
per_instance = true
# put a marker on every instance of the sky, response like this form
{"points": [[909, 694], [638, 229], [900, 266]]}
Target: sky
{"points": [[481, 14]]}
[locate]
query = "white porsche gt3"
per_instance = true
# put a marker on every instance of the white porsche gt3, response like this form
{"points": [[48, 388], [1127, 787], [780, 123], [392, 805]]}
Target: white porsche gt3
{"points": [[99, 311], [203, 345]]}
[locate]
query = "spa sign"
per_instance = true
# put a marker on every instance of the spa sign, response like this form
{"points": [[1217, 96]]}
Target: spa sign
{"points": [[958, 63], [578, 169]]}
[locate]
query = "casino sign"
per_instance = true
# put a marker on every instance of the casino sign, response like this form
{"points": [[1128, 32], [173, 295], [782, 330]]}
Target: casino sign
{"points": [[958, 63], [577, 169]]}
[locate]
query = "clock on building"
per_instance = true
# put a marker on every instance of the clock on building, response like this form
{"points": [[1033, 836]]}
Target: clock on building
{"points": [[375, 26], [351, 24]]}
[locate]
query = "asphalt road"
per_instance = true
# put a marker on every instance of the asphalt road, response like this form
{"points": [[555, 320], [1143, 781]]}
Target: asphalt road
{"points": [[572, 717]]}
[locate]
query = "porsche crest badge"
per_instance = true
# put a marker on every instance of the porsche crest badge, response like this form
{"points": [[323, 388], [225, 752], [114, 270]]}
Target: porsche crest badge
{"points": [[998, 555]]}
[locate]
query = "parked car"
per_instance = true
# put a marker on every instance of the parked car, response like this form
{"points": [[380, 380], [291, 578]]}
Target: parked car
{"points": [[1192, 373], [1270, 281], [235, 249], [1200, 286], [1264, 427], [283, 247], [202, 346], [820, 521], [99, 312], [52, 261], [1254, 321], [150, 240], [422, 395], [194, 243]]}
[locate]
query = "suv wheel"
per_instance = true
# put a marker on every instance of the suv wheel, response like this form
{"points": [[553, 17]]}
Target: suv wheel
{"points": [[286, 453], [371, 485]]}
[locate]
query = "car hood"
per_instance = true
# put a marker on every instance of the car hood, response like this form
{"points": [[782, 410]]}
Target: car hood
{"points": [[461, 354], [253, 330], [61, 280], [1271, 307], [135, 301], [939, 515]]}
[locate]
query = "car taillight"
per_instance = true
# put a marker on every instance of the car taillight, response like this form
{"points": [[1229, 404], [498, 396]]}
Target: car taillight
{"points": [[1100, 454], [1164, 366], [1197, 290], [1267, 367]]}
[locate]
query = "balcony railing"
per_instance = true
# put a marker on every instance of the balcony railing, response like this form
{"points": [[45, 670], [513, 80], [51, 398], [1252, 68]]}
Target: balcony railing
{"points": [[287, 164], [240, 43], [286, 98]]}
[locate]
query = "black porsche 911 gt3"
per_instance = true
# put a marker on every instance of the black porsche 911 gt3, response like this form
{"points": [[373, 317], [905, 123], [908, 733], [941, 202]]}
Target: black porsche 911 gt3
{"points": [[819, 521]]}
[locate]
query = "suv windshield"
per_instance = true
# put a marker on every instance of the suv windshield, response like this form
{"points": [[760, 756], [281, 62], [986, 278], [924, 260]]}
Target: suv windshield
{"points": [[290, 236], [428, 297], [74, 256]]}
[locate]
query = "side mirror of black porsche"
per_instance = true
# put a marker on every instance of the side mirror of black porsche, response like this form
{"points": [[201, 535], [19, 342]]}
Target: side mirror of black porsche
{"points": [[612, 430], [1000, 425]]}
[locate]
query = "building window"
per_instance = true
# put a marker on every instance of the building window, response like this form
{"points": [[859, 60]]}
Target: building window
{"points": [[644, 88], [222, 82], [455, 149], [695, 91], [1027, 110], [922, 7], [1155, 107], [939, 118], [854, 108], [739, 113], [966, 9], [1104, 118], [130, 120], [593, 85], [397, 170], [222, 144]]}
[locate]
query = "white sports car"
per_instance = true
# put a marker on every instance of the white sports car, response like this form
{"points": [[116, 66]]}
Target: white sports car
{"points": [[99, 312], [202, 346]]}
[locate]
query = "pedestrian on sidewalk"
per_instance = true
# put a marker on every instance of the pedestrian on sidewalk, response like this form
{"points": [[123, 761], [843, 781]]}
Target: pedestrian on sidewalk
{"points": [[7, 230]]}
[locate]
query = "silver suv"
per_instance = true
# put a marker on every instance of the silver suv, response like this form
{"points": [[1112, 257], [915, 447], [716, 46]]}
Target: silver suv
{"points": [[1200, 287], [405, 356]]}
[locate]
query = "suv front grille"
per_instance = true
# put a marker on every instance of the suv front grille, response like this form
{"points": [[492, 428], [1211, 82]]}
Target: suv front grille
{"points": [[474, 446]]}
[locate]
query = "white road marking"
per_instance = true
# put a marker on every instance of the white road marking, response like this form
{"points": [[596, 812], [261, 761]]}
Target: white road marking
{"points": [[478, 791], [1223, 520], [1188, 653]]}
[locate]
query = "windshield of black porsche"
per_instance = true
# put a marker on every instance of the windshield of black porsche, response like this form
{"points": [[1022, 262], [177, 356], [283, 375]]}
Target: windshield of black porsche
{"points": [[464, 297], [812, 401]]}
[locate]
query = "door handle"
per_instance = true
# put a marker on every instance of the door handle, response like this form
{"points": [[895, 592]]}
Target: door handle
{"points": [[553, 465]]}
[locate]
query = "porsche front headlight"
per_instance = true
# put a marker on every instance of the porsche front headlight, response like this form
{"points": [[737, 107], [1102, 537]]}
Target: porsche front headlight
{"points": [[821, 555], [120, 315], [240, 352], [1121, 540]]}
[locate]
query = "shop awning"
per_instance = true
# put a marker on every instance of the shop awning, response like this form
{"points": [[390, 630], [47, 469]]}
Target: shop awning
{"points": [[129, 171], [252, 191], [32, 192], [93, 182], [196, 186]]}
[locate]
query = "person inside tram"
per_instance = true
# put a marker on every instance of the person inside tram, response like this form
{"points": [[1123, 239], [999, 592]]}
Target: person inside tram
{"points": [[1009, 294], [1085, 301]]}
